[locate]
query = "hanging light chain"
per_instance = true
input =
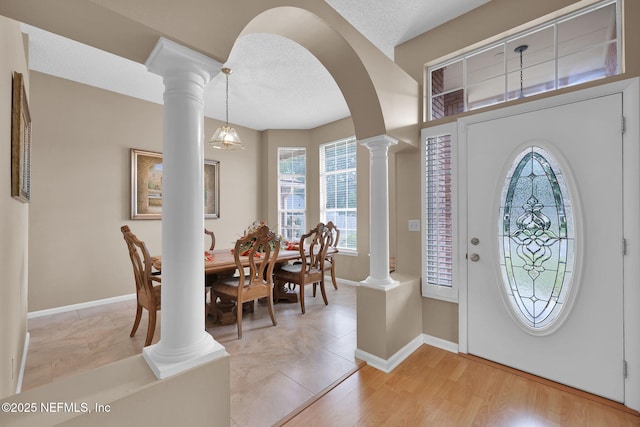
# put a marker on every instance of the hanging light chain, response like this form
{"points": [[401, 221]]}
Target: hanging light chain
{"points": [[519, 50], [226, 72]]}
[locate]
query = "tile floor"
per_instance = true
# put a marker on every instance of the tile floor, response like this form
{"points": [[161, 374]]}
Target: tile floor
{"points": [[274, 370]]}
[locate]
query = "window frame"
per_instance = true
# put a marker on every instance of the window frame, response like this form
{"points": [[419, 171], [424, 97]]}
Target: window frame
{"points": [[504, 41], [279, 175], [323, 210], [440, 292]]}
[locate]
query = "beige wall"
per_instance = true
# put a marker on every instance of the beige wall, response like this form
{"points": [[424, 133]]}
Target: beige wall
{"points": [[14, 219], [82, 138], [408, 200], [440, 318]]}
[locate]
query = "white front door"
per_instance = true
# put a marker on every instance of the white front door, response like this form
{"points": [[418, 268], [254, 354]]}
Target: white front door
{"points": [[544, 243]]}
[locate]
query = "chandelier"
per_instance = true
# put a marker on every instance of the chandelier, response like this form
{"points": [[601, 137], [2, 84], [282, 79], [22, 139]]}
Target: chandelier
{"points": [[225, 137]]}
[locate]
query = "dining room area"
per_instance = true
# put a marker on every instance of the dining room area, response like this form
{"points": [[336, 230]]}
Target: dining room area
{"points": [[80, 320], [85, 190]]}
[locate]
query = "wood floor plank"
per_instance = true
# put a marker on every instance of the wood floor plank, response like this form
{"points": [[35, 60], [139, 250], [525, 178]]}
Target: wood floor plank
{"points": [[434, 387]]}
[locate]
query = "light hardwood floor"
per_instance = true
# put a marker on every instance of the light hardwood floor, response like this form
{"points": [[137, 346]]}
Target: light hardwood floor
{"points": [[308, 356], [434, 387]]}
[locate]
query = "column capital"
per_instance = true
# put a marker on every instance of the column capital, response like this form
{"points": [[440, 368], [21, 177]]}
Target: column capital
{"points": [[168, 58], [379, 142]]}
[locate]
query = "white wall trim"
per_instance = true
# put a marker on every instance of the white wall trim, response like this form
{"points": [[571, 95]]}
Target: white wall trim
{"points": [[390, 364], [96, 303], [440, 343], [341, 281], [23, 362], [65, 308]]}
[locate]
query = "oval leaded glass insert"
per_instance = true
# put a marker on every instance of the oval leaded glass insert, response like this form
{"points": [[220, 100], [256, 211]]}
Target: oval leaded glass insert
{"points": [[536, 235]]}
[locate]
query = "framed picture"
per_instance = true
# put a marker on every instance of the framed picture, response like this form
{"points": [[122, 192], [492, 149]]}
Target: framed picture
{"points": [[146, 186], [20, 142]]}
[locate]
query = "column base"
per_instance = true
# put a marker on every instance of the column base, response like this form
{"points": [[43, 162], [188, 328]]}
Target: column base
{"points": [[376, 283], [166, 365]]}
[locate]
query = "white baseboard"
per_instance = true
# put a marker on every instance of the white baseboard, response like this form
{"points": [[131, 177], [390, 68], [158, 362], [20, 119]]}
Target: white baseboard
{"points": [[390, 364], [23, 362], [440, 343], [79, 306], [342, 281]]}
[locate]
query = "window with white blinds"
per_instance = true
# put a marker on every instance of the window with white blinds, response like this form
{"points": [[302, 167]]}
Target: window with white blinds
{"points": [[292, 192], [339, 190], [438, 216]]}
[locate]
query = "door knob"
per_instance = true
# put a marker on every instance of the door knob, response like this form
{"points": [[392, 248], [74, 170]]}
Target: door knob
{"points": [[474, 257]]}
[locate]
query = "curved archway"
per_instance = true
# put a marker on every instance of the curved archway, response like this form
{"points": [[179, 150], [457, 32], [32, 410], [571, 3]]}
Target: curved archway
{"points": [[370, 88]]}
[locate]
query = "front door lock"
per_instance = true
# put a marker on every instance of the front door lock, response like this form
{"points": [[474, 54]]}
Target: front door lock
{"points": [[474, 257]]}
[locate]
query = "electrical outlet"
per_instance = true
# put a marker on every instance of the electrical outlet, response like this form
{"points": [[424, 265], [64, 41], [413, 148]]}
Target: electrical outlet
{"points": [[414, 225]]}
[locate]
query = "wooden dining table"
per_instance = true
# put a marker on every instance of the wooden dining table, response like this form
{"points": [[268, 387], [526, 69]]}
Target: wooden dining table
{"points": [[222, 262]]}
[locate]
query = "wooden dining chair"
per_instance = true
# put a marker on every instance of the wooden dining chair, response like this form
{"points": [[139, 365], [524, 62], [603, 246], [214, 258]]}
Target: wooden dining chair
{"points": [[213, 238], [147, 291], [261, 247], [330, 260], [209, 278], [313, 249]]}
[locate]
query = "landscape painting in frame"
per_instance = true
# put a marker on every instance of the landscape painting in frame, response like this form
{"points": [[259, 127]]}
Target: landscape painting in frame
{"points": [[146, 186]]}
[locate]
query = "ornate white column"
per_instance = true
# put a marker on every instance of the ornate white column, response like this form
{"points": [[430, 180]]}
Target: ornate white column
{"points": [[379, 205], [184, 342]]}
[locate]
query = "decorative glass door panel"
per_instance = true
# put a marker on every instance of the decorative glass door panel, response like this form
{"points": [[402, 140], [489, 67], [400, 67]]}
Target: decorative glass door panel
{"points": [[536, 239]]}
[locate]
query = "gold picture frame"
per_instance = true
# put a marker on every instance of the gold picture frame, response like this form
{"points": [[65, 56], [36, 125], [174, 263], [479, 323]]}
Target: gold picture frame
{"points": [[20, 141], [146, 186]]}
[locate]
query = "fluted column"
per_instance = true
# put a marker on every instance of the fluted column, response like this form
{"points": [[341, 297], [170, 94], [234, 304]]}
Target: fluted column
{"points": [[379, 210], [184, 341]]}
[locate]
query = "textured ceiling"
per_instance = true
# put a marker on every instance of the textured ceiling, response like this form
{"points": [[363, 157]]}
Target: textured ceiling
{"points": [[275, 84]]}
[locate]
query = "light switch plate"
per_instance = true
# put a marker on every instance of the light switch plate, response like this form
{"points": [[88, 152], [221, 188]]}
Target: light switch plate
{"points": [[414, 225]]}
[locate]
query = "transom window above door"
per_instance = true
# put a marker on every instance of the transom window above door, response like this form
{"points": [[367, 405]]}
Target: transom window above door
{"points": [[576, 48]]}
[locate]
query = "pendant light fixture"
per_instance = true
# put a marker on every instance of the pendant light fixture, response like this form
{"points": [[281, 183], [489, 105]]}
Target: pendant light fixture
{"points": [[226, 138], [519, 50]]}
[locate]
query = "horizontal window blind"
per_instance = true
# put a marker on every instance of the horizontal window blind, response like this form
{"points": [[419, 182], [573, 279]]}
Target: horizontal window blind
{"points": [[339, 189], [439, 226]]}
